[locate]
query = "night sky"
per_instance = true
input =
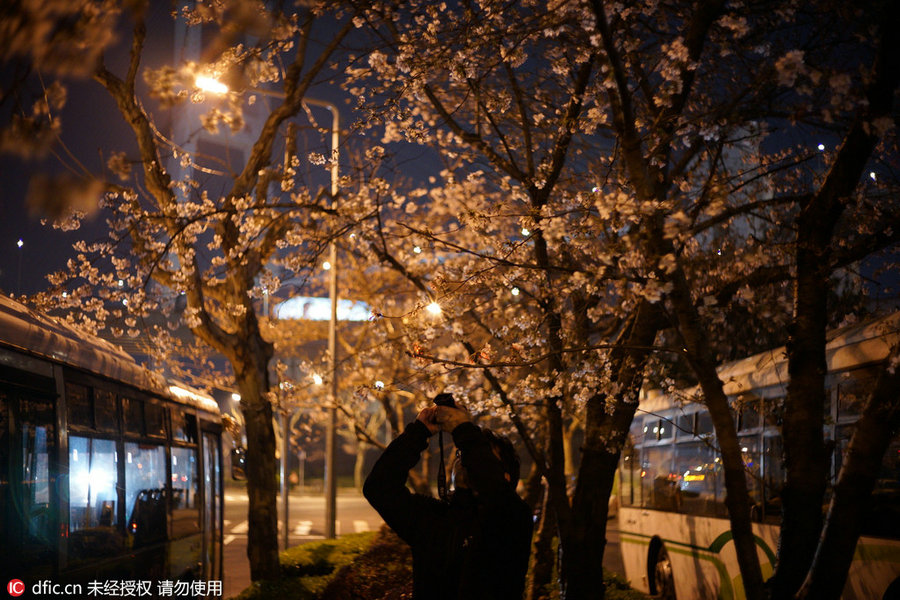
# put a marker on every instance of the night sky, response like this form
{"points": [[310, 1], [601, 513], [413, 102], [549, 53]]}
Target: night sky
{"points": [[47, 249], [91, 128]]}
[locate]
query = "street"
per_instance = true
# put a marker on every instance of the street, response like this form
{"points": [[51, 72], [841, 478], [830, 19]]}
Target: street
{"points": [[307, 522]]}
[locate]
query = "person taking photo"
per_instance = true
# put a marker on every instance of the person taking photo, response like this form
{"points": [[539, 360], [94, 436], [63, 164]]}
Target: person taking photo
{"points": [[476, 544]]}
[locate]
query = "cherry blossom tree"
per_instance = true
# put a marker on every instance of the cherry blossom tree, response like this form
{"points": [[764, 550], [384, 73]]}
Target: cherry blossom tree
{"points": [[849, 79], [624, 170], [194, 237], [608, 197]]}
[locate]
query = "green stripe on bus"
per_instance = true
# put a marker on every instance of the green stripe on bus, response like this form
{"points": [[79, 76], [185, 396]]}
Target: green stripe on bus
{"points": [[716, 546], [726, 587], [726, 591], [726, 537]]}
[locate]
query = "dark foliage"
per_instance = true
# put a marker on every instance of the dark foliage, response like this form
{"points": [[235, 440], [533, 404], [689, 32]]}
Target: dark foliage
{"points": [[383, 572]]}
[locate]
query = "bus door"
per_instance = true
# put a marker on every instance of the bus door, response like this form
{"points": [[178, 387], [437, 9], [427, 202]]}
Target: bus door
{"points": [[28, 495], [212, 533]]}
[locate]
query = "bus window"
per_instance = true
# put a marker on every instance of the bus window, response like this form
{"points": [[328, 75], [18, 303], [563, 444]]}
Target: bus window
{"points": [[184, 426], [773, 476], [747, 407], [155, 419], [704, 424], [37, 441], [657, 429], [186, 551], [686, 426], [853, 391], [666, 429], [212, 506], [750, 454], [28, 466], [78, 401], [93, 496], [636, 431], [629, 474], [106, 416], [658, 479], [185, 502], [145, 471], [699, 479], [133, 412]]}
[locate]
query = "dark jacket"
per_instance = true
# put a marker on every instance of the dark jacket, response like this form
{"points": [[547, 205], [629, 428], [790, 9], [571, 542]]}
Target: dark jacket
{"points": [[473, 547]]}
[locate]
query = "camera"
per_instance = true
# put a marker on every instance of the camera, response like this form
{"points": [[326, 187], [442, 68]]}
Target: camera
{"points": [[445, 399]]}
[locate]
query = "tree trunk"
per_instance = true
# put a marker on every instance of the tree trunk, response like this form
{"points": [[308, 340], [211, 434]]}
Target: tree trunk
{"points": [[605, 432], [805, 462], [359, 466], [804, 454], [542, 556], [737, 496], [584, 575], [534, 488], [252, 378], [569, 449], [870, 441]]}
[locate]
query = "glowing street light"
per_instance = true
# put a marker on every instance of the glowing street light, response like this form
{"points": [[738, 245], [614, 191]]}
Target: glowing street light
{"points": [[434, 308], [210, 84], [317, 379]]}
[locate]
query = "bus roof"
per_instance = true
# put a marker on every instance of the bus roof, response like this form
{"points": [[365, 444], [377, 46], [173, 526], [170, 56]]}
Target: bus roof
{"points": [[851, 346], [38, 334]]}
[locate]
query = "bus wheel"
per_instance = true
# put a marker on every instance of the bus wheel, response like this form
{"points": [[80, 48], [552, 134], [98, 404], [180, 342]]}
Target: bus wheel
{"points": [[663, 584]]}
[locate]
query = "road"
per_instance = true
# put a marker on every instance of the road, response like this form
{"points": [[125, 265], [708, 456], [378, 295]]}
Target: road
{"points": [[306, 521]]}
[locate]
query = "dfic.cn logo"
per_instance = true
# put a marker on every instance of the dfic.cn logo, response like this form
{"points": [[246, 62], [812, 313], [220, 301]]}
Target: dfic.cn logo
{"points": [[15, 587]]}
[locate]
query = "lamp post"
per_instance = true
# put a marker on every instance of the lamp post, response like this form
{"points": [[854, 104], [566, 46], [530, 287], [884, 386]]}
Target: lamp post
{"points": [[331, 423], [20, 243], [211, 85]]}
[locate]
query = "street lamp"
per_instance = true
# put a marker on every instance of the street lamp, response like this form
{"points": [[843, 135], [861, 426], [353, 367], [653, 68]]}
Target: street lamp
{"points": [[214, 86], [20, 243]]}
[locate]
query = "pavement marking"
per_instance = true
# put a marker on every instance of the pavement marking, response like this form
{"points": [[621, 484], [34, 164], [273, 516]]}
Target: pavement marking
{"points": [[303, 528], [226, 522], [360, 526], [228, 539], [242, 527]]}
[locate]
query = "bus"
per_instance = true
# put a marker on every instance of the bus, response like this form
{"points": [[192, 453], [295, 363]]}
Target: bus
{"points": [[674, 531], [109, 474]]}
